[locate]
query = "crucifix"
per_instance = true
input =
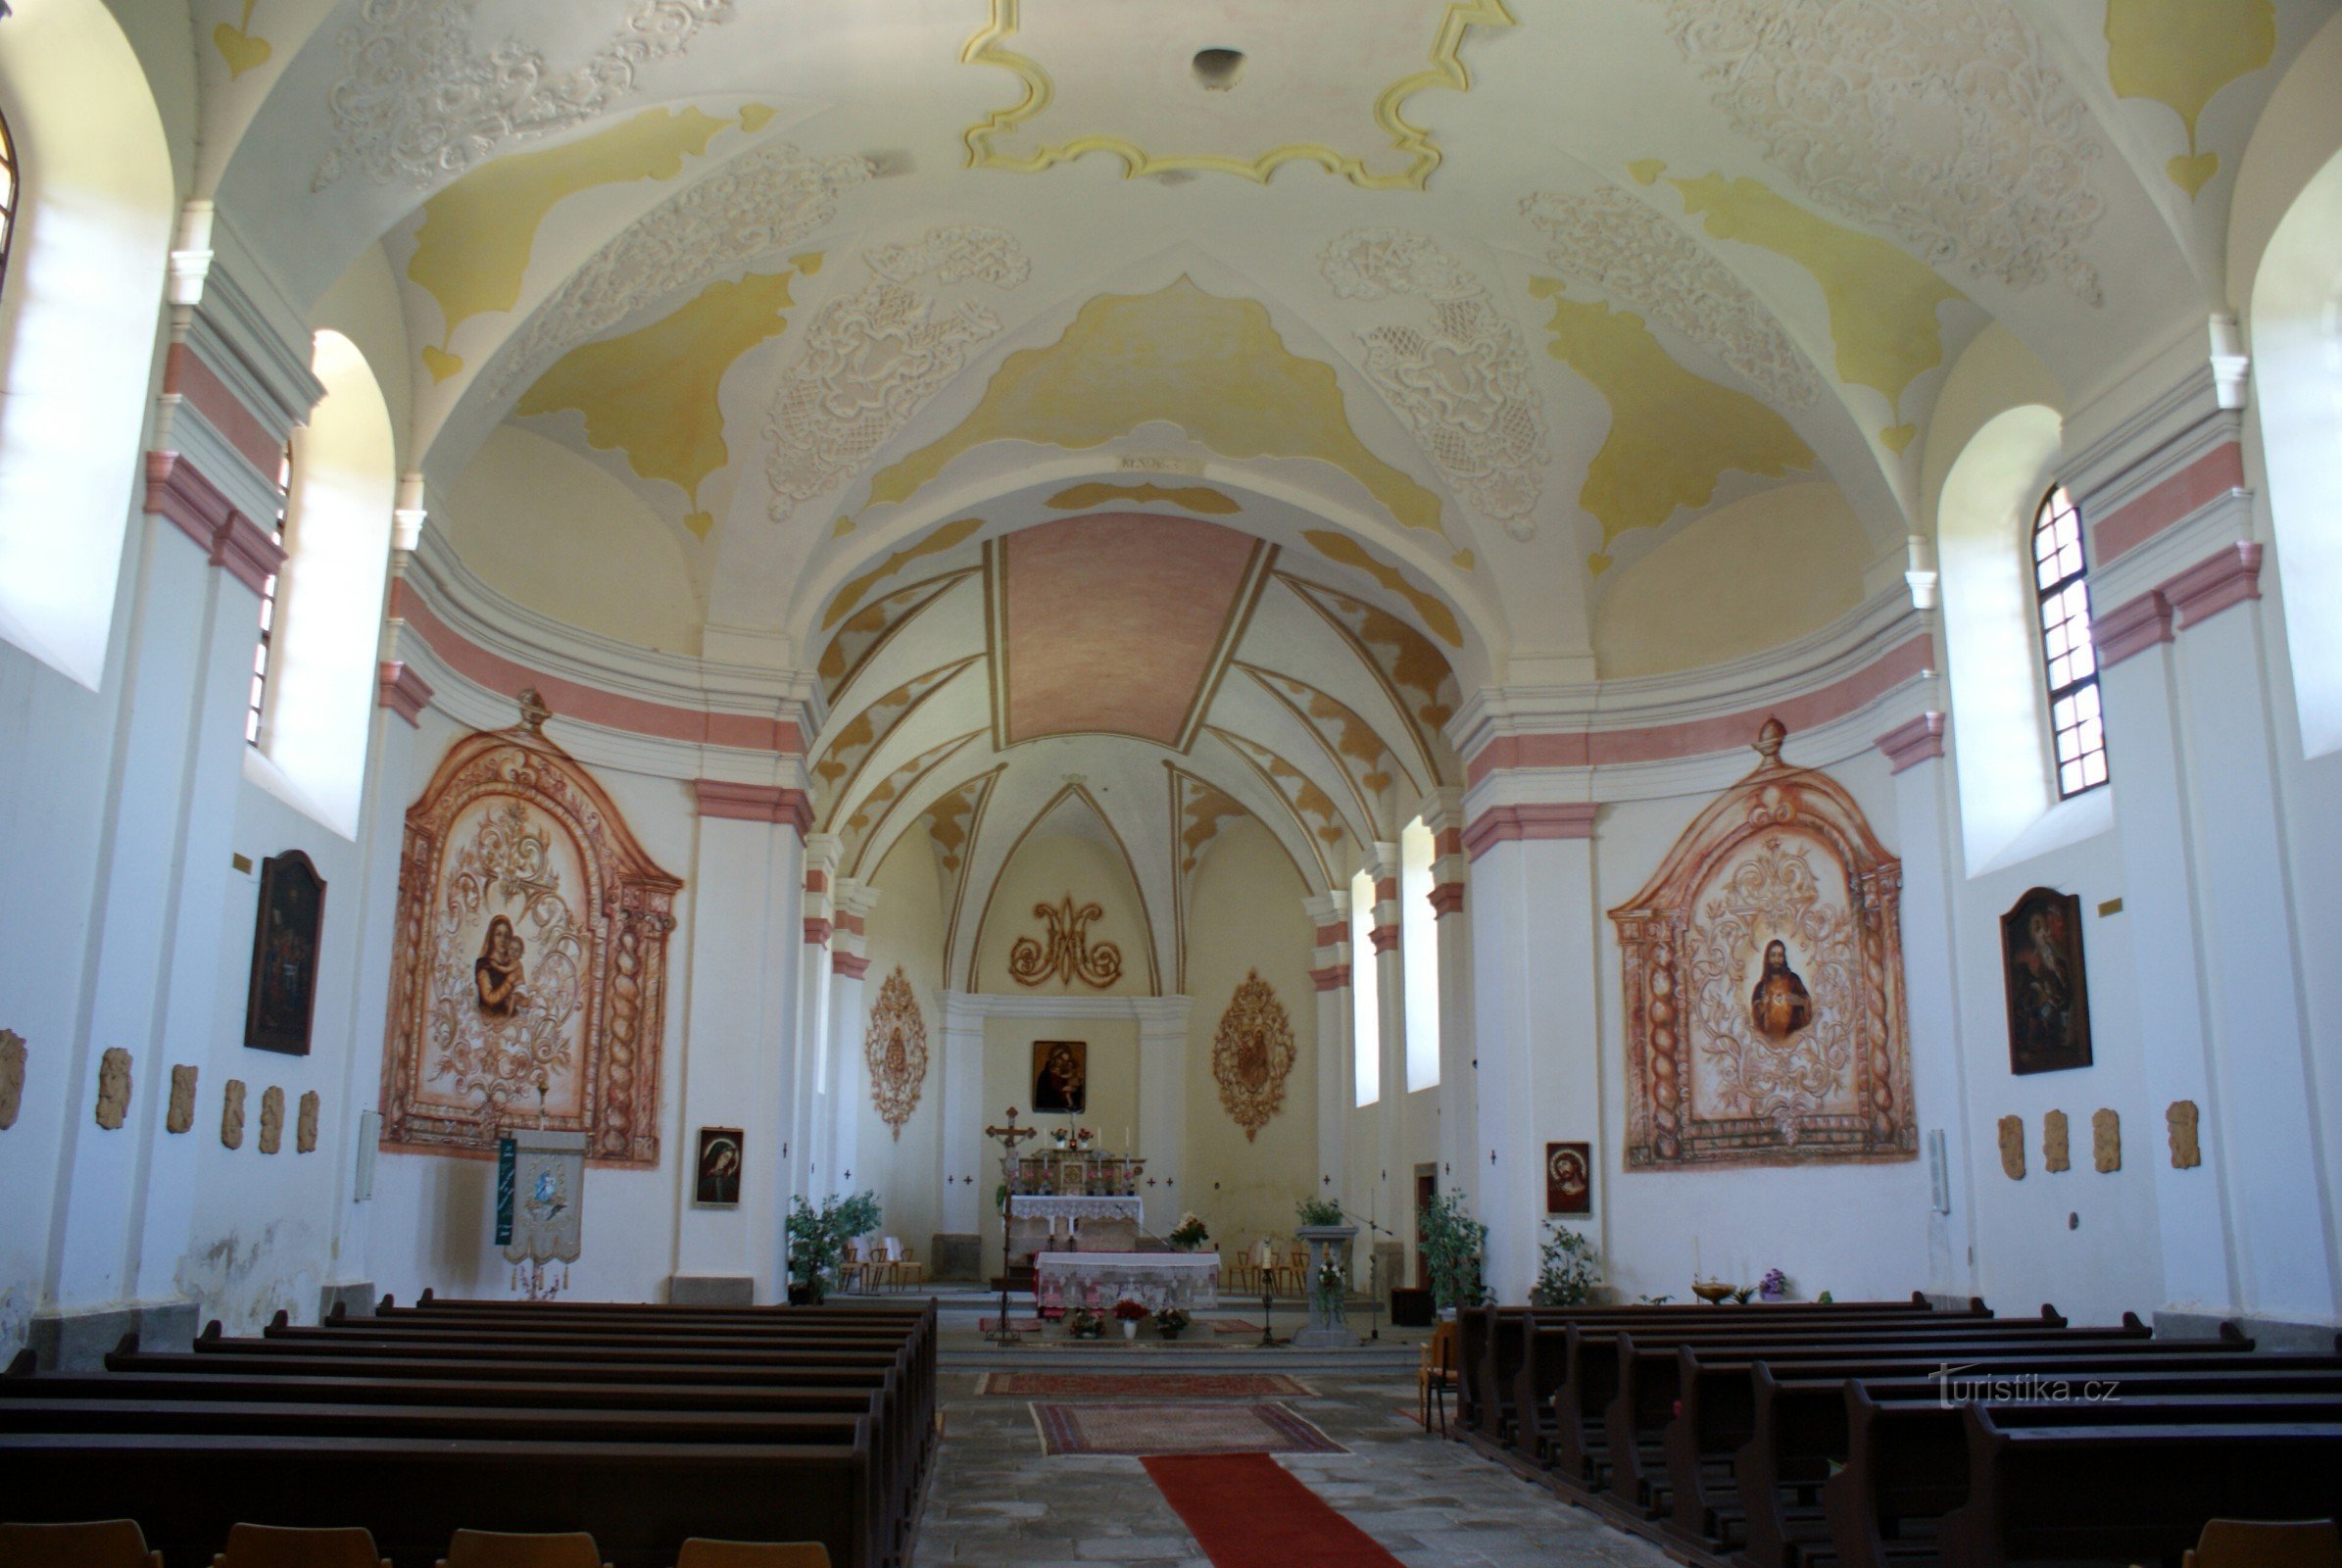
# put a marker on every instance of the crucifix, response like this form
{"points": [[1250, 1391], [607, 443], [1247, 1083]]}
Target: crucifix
{"points": [[1008, 1138]]}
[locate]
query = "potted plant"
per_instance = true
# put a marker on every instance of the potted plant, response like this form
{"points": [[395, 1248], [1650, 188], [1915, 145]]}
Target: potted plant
{"points": [[1084, 1324], [1170, 1322], [1569, 1269], [817, 1239], [1774, 1287], [1130, 1315], [1319, 1213], [1453, 1243], [1189, 1234]]}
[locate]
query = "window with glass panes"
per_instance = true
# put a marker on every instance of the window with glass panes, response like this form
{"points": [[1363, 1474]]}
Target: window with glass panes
{"points": [[264, 649], [2070, 659]]}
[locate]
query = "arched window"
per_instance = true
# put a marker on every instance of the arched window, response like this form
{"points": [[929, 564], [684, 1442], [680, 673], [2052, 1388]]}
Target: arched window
{"points": [[8, 195], [1419, 951], [256, 711], [2069, 658], [1366, 1047]]}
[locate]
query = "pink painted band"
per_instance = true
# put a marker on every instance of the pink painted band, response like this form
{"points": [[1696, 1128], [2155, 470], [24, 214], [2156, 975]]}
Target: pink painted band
{"points": [[185, 373], [401, 690], [1510, 824], [1908, 745], [1333, 977], [1447, 841], [1384, 938], [816, 931], [2217, 473], [2222, 581], [753, 802], [2131, 628], [851, 924], [1385, 889], [1698, 737], [817, 881], [849, 966], [1447, 898], [178, 493], [571, 700], [1329, 936]]}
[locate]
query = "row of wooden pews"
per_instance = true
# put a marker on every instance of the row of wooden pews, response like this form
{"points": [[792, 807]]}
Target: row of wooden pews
{"points": [[643, 1425], [1831, 1435]]}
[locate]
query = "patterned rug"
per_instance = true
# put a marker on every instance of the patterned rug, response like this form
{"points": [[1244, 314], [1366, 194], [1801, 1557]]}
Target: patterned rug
{"points": [[1234, 1326], [1146, 1428], [1146, 1385]]}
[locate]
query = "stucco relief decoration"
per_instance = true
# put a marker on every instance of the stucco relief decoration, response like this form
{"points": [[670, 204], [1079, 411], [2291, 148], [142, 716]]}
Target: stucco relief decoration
{"points": [[1940, 121], [529, 963], [1460, 378], [758, 204], [11, 1077], [1063, 952], [1764, 983], [874, 357], [1620, 246], [895, 1048], [114, 1088], [1252, 1055], [420, 100]]}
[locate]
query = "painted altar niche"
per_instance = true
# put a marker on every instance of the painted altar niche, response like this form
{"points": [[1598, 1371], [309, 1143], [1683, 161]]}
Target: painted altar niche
{"points": [[1763, 984], [531, 956]]}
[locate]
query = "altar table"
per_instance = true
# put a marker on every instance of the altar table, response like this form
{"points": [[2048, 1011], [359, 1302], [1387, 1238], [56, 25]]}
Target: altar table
{"points": [[1051, 1207], [1154, 1280]]}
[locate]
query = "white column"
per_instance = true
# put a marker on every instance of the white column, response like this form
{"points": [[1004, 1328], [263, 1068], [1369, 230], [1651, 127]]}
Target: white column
{"points": [[848, 1078], [1163, 1106], [1535, 941], [965, 1209], [746, 892], [1459, 1101], [815, 1000], [1330, 914], [1927, 825], [1391, 1009]]}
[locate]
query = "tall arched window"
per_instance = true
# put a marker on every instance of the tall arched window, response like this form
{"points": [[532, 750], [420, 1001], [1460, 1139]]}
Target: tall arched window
{"points": [[257, 711], [2069, 658], [8, 195]]}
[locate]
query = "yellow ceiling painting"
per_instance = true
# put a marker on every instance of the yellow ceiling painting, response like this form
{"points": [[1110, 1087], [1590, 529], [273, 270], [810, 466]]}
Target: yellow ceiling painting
{"points": [[473, 247], [2180, 53], [1420, 681], [935, 543], [867, 630], [1322, 821], [1192, 497], [1673, 434], [242, 48], [1216, 367], [1882, 301], [855, 837], [842, 755], [1131, 90], [653, 393], [1341, 549], [1354, 746], [1199, 808]]}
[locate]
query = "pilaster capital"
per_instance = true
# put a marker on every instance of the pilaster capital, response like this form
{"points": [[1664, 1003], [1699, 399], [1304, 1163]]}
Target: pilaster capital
{"points": [[400, 689], [1908, 745], [1442, 809]]}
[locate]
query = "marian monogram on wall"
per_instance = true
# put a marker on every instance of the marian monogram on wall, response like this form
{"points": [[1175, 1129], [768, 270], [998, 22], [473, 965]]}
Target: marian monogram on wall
{"points": [[1063, 952], [896, 1049], [1252, 1055], [1764, 983], [530, 962]]}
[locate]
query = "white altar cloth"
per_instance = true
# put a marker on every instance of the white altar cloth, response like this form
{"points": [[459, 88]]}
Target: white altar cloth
{"points": [[1054, 1208], [1154, 1280]]}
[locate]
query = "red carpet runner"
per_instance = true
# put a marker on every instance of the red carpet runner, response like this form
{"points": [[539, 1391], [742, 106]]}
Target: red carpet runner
{"points": [[1247, 1511]]}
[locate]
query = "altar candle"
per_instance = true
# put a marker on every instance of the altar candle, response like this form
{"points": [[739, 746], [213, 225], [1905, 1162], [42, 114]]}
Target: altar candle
{"points": [[1696, 1256]]}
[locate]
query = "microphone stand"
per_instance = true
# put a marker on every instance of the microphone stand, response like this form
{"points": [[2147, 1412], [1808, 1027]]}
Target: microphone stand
{"points": [[1373, 1276]]}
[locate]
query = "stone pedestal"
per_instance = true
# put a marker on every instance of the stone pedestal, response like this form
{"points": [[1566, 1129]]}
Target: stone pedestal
{"points": [[956, 1254], [1329, 1322]]}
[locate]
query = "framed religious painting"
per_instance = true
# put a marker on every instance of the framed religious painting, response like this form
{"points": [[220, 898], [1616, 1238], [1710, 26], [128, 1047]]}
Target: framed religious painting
{"points": [[1060, 1077], [2049, 993], [283, 996], [717, 1182], [1569, 1179]]}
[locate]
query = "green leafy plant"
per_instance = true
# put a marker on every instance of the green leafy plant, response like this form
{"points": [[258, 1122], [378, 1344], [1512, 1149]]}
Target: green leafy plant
{"points": [[1319, 1211], [1569, 1268], [1454, 1244], [1170, 1322], [1083, 1324], [817, 1237]]}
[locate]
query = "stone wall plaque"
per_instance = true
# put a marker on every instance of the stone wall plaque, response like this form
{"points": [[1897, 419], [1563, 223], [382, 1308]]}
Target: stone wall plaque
{"points": [[231, 1115], [2012, 1146], [181, 1114], [271, 1120], [305, 1130], [2106, 1139], [2055, 1153], [11, 1077], [2180, 1120], [114, 1088]]}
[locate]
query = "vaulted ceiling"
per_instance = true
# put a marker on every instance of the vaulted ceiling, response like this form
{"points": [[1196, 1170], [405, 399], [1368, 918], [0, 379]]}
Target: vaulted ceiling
{"points": [[1268, 321]]}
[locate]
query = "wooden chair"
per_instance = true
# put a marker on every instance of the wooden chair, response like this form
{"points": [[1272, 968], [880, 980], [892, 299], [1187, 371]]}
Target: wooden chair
{"points": [[2252, 1543], [903, 1269], [1295, 1272], [491, 1549], [275, 1547], [698, 1553], [851, 1268], [99, 1543], [1435, 1375]]}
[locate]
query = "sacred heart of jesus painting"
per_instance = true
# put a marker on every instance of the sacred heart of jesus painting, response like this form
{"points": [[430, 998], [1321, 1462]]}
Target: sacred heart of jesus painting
{"points": [[529, 975]]}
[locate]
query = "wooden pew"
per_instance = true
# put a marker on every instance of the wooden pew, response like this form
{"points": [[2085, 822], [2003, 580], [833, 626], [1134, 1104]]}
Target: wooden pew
{"points": [[2131, 1493]]}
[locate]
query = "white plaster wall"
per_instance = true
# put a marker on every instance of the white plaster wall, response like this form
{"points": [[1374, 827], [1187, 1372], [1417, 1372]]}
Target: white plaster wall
{"points": [[907, 931]]}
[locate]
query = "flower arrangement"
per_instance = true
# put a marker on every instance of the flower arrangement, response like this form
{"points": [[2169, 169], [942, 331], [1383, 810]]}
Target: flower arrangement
{"points": [[1127, 1311], [1083, 1324], [1333, 1288], [1170, 1322], [1189, 1234], [1774, 1287]]}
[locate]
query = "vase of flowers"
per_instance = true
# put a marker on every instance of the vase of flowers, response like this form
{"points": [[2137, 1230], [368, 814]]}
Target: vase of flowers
{"points": [[1084, 1324], [1170, 1322], [1774, 1287], [1130, 1315], [1189, 1234]]}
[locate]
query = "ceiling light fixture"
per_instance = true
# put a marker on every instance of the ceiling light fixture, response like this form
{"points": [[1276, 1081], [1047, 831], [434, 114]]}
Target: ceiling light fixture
{"points": [[1217, 70]]}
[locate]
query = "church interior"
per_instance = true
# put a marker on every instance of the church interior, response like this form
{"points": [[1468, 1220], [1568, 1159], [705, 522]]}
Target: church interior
{"points": [[1450, 782]]}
